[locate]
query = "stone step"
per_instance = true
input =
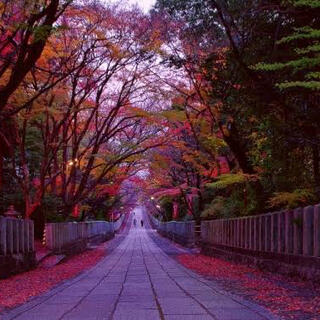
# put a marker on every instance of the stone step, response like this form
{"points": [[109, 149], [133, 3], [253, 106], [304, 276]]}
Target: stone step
{"points": [[51, 261]]}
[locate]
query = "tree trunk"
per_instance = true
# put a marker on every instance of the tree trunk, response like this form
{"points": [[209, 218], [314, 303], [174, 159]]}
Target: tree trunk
{"points": [[30, 207], [238, 149], [30, 54]]}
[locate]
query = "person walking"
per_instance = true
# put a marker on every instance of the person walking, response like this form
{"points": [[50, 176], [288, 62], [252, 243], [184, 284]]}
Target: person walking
{"points": [[135, 222], [141, 223]]}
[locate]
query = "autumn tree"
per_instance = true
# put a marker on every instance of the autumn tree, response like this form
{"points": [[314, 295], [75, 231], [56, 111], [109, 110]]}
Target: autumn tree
{"points": [[25, 29], [219, 42], [88, 122], [298, 75], [192, 157]]}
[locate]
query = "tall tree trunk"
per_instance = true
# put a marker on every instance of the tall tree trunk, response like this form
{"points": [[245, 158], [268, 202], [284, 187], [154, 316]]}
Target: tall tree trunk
{"points": [[32, 204], [239, 149]]}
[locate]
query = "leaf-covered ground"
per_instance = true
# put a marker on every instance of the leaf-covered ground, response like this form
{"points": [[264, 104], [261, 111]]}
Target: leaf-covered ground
{"points": [[20, 288], [284, 297]]}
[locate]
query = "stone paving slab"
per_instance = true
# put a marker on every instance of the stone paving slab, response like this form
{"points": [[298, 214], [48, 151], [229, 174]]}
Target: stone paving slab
{"points": [[188, 317], [138, 280], [137, 315]]}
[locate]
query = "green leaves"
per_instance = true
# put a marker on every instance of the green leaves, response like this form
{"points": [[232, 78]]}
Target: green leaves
{"points": [[268, 66], [293, 199], [174, 115], [298, 64], [307, 3], [311, 85], [213, 143], [41, 33], [227, 180], [306, 38], [313, 75], [301, 34], [309, 49]]}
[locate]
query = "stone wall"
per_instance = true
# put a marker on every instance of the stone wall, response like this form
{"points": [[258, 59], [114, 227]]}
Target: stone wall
{"points": [[180, 232], [73, 237], [154, 222], [16, 246], [285, 241], [117, 224]]}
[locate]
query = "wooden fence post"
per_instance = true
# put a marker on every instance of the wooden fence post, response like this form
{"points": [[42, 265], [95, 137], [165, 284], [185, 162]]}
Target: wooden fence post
{"points": [[281, 231], [9, 236], [274, 232], [316, 225], [308, 231], [256, 232], [289, 232], [3, 236], [297, 231], [262, 233], [267, 224], [15, 235]]}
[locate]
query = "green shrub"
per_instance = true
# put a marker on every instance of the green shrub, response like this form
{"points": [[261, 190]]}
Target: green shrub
{"points": [[50, 207], [232, 195], [227, 180], [290, 200]]}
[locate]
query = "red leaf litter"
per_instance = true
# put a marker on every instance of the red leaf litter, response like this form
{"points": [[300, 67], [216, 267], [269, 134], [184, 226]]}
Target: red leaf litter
{"points": [[284, 297], [20, 288]]}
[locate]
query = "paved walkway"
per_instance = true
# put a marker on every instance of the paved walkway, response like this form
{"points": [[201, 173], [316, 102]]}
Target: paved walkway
{"points": [[137, 281]]}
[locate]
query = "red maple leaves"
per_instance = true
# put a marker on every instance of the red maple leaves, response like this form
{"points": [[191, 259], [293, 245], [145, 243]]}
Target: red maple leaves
{"points": [[20, 288], [282, 296]]}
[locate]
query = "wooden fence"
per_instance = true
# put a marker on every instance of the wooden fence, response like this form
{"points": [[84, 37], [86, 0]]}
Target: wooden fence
{"points": [[16, 236], [294, 232]]}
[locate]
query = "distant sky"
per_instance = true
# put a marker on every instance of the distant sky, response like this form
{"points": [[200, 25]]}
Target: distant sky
{"points": [[145, 5]]}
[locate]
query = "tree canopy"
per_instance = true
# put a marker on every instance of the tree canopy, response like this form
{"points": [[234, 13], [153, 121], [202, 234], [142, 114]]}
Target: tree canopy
{"points": [[202, 109]]}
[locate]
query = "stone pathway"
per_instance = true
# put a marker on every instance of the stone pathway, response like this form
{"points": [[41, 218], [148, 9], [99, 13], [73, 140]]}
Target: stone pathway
{"points": [[137, 281]]}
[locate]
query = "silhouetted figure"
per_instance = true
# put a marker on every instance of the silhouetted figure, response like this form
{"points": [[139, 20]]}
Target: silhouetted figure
{"points": [[141, 223], [135, 222]]}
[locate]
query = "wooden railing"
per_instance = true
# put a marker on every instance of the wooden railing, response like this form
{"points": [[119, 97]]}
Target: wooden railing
{"points": [[294, 232], [16, 236]]}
